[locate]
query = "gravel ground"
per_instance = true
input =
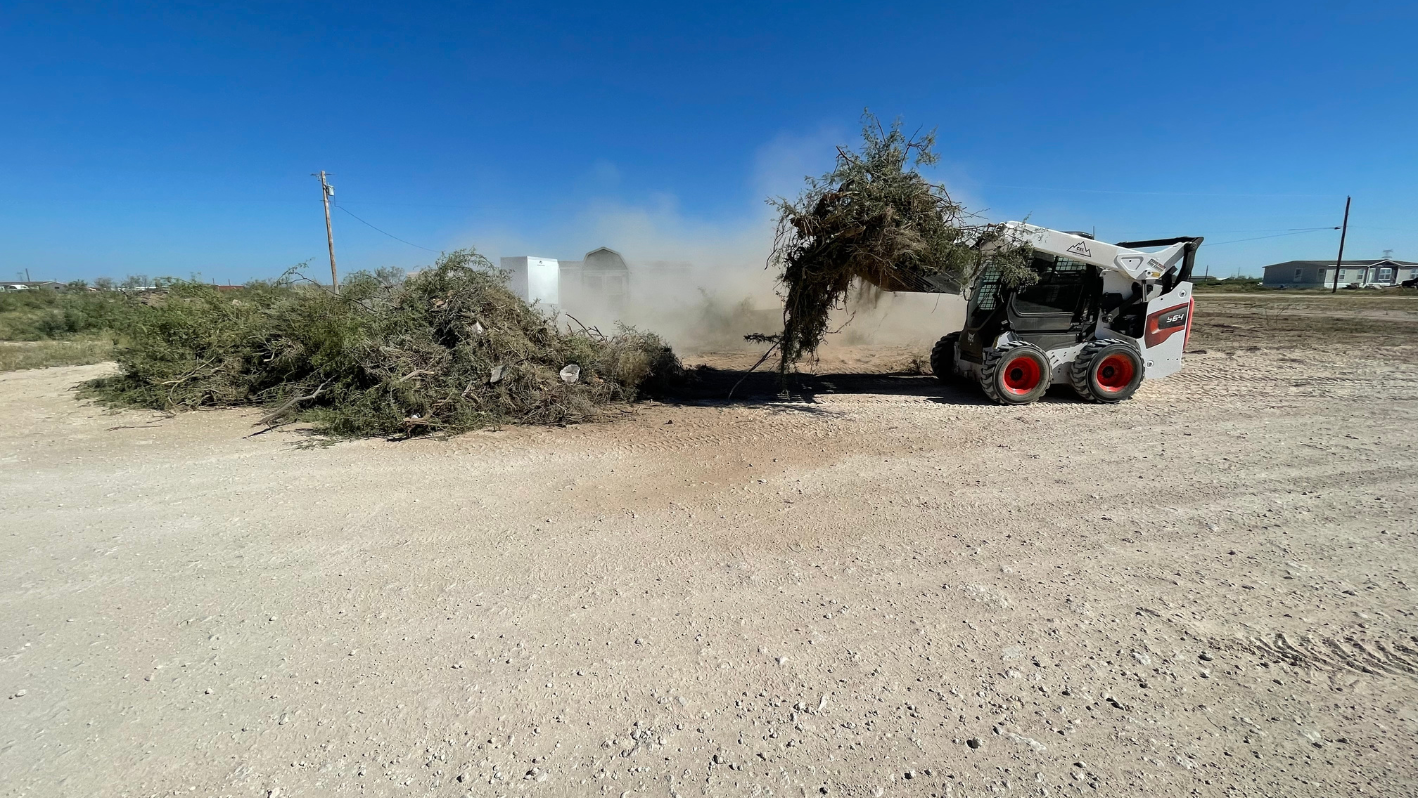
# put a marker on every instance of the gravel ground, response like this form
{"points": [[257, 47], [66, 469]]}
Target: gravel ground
{"points": [[887, 587]]}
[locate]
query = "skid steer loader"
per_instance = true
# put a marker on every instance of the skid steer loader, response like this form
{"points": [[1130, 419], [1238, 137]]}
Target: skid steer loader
{"points": [[1101, 319]]}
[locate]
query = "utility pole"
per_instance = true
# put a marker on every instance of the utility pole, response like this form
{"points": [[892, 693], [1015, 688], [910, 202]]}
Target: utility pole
{"points": [[1343, 231], [326, 191], [27, 275]]}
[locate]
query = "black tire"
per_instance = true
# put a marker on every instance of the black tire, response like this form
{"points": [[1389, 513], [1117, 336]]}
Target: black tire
{"points": [[1107, 371], [1015, 374], [943, 358]]}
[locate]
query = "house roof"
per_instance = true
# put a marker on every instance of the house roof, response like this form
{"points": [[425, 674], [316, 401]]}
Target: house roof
{"points": [[604, 259], [1380, 262]]}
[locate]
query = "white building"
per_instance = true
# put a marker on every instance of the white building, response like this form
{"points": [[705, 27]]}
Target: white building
{"points": [[1320, 273]]}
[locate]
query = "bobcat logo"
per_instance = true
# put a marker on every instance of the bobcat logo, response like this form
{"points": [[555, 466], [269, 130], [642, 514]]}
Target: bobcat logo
{"points": [[1080, 248]]}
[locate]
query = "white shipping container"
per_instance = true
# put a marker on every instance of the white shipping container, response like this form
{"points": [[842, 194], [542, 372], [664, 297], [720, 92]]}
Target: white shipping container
{"points": [[535, 279]]}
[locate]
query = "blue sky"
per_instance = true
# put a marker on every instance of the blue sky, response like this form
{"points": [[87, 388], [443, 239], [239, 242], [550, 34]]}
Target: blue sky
{"points": [[169, 138]]}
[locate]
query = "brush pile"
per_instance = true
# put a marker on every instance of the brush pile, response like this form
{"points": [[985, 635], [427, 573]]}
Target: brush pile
{"points": [[445, 350], [875, 221]]}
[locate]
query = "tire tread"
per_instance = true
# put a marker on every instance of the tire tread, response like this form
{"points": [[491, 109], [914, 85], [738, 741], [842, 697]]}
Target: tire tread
{"points": [[1078, 375], [943, 358], [990, 368]]}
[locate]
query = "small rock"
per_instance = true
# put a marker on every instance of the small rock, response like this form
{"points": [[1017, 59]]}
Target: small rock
{"points": [[20, 694], [910, 774], [718, 760], [973, 742], [462, 777], [208, 691], [1029, 741], [1205, 657]]}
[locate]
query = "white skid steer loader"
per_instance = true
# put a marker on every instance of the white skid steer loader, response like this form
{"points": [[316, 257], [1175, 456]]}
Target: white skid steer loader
{"points": [[1100, 319]]}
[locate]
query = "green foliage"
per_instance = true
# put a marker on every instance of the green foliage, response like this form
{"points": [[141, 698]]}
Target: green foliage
{"points": [[875, 220], [46, 314], [446, 349]]}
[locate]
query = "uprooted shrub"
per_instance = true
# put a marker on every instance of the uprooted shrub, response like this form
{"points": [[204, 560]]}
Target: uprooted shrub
{"points": [[448, 349], [876, 221]]}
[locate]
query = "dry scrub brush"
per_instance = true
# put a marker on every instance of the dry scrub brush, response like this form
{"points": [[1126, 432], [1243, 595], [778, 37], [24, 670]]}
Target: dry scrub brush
{"points": [[447, 349], [46, 314], [874, 220]]}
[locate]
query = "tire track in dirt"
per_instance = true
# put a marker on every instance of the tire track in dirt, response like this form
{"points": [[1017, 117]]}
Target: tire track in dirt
{"points": [[1393, 656]]}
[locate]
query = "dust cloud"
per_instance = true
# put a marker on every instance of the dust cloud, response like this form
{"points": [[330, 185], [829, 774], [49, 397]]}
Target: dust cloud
{"points": [[703, 291], [701, 284]]}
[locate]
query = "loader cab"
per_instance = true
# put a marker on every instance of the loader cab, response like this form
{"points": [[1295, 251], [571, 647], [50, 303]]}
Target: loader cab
{"points": [[1058, 310]]}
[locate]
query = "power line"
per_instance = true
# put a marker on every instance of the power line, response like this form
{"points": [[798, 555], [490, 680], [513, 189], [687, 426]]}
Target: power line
{"points": [[391, 235], [1277, 235], [1145, 193]]}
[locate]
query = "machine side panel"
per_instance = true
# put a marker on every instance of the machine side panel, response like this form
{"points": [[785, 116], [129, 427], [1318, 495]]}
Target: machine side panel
{"points": [[1168, 325]]}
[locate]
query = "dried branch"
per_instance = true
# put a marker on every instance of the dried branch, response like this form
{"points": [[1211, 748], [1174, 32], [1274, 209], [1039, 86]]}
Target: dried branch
{"points": [[270, 418], [755, 336]]}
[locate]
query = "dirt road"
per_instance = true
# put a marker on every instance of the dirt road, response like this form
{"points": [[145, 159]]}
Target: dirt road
{"points": [[889, 588]]}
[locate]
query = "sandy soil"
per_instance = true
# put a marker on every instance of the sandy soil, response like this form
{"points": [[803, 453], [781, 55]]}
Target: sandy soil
{"points": [[882, 586]]}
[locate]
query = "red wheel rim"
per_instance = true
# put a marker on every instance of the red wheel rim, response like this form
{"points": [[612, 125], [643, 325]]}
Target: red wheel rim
{"points": [[1022, 375], [1115, 373]]}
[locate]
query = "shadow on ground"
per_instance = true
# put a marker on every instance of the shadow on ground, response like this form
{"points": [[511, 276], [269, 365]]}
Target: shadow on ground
{"points": [[737, 386]]}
